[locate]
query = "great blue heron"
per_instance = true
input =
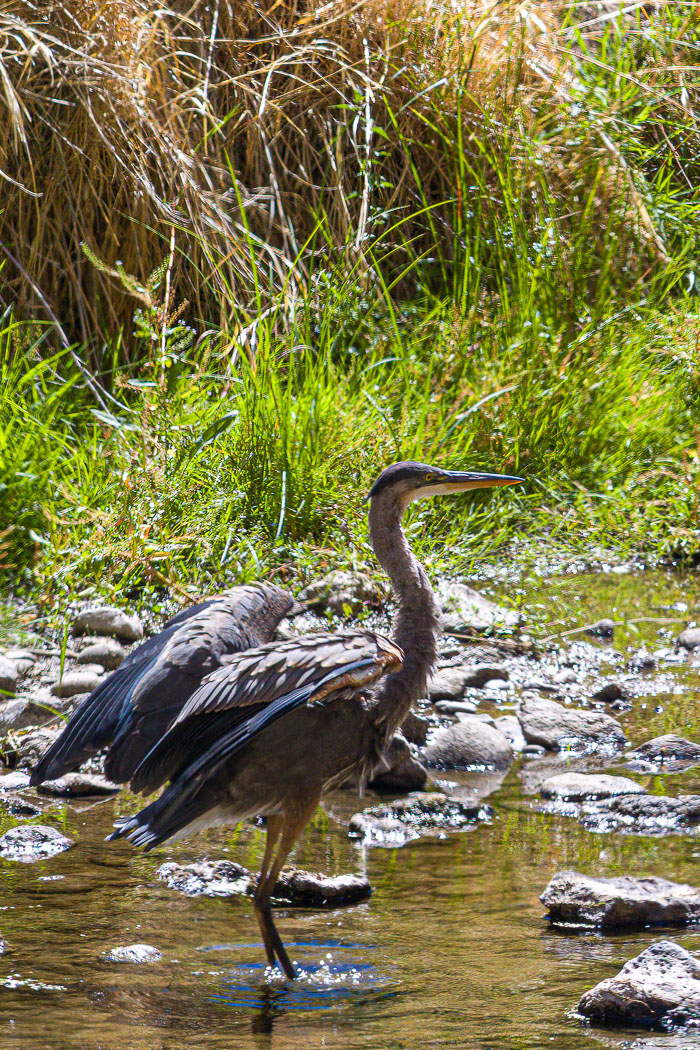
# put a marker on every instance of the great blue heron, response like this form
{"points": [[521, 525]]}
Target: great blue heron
{"points": [[278, 725]]}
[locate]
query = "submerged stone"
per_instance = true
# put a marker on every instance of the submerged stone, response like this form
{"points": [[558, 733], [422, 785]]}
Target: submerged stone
{"points": [[582, 900], [642, 814], [659, 987], [32, 842], [134, 953], [408, 819], [669, 751]]}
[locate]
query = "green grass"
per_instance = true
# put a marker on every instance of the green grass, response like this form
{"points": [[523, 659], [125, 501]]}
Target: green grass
{"points": [[548, 339]]}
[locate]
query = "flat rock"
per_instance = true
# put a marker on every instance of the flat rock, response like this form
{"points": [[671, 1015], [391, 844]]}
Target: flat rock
{"points": [[225, 878], [510, 727], [107, 652], [402, 772], [344, 593], [455, 707], [642, 814], [659, 987], [408, 819], [78, 785], [32, 842], [134, 953], [8, 678], [73, 682], [469, 744], [576, 786], [581, 900], [415, 728], [556, 727], [107, 619], [15, 781], [669, 751], [689, 638], [465, 610]]}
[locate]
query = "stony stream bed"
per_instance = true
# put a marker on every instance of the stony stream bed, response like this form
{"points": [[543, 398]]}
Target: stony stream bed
{"points": [[453, 948]]}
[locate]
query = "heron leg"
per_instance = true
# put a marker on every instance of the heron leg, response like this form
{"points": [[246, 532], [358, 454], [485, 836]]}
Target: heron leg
{"points": [[274, 830], [294, 820]]}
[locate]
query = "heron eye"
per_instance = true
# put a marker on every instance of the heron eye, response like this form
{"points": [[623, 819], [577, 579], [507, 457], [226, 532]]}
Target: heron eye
{"points": [[429, 477]]}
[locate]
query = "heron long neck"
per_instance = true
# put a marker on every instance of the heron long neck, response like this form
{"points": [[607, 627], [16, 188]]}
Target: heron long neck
{"points": [[417, 624]]}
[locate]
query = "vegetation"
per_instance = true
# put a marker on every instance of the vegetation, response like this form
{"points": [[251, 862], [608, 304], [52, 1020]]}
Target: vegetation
{"points": [[321, 237]]}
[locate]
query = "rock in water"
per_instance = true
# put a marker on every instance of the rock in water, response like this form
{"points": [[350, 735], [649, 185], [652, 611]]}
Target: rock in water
{"points": [[344, 593], [582, 900], [106, 619], [469, 744], [32, 842], [105, 651], [510, 727], [576, 786], [8, 678], [78, 785], [449, 683], [659, 987], [225, 878], [557, 727], [134, 953], [668, 751], [642, 814], [407, 819], [465, 610], [74, 682], [403, 772], [689, 638]]}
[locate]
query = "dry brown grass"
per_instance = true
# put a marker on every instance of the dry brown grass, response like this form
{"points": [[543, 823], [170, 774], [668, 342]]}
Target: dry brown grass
{"points": [[238, 124]]}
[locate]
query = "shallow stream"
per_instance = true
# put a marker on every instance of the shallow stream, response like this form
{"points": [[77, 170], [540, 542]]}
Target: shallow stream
{"points": [[452, 949]]}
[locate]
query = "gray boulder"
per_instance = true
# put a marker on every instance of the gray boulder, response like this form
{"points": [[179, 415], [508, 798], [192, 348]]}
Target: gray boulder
{"points": [[449, 683], [344, 593], [107, 652], [469, 744], [689, 638], [402, 771], [74, 682], [664, 754], [576, 786], [134, 953], [8, 678], [465, 610], [510, 727], [78, 785], [556, 727], [642, 814], [225, 878], [32, 842], [107, 619], [581, 900], [408, 819], [659, 987]]}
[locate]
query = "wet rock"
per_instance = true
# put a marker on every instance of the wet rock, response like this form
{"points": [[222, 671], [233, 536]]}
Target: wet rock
{"points": [[659, 987], [610, 692], [534, 751], [689, 638], [3, 944], [465, 610], [582, 900], [16, 781], [28, 748], [344, 593], [403, 772], [668, 751], [556, 727], [642, 814], [8, 678], [134, 953], [469, 744], [74, 682], [510, 727], [407, 819], [415, 728], [602, 629], [78, 785], [224, 878], [449, 683], [17, 806], [455, 707], [108, 620], [32, 842], [107, 652], [576, 786]]}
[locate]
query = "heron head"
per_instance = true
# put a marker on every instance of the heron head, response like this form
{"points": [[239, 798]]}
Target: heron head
{"points": [[401, 483]]}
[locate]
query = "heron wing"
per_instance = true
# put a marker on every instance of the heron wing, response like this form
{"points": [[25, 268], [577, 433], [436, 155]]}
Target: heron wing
{"points": [[236, 702], [134, 706]]}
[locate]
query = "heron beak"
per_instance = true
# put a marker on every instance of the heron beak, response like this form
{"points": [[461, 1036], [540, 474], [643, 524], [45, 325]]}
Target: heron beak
{"points": [[464, 480]]}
